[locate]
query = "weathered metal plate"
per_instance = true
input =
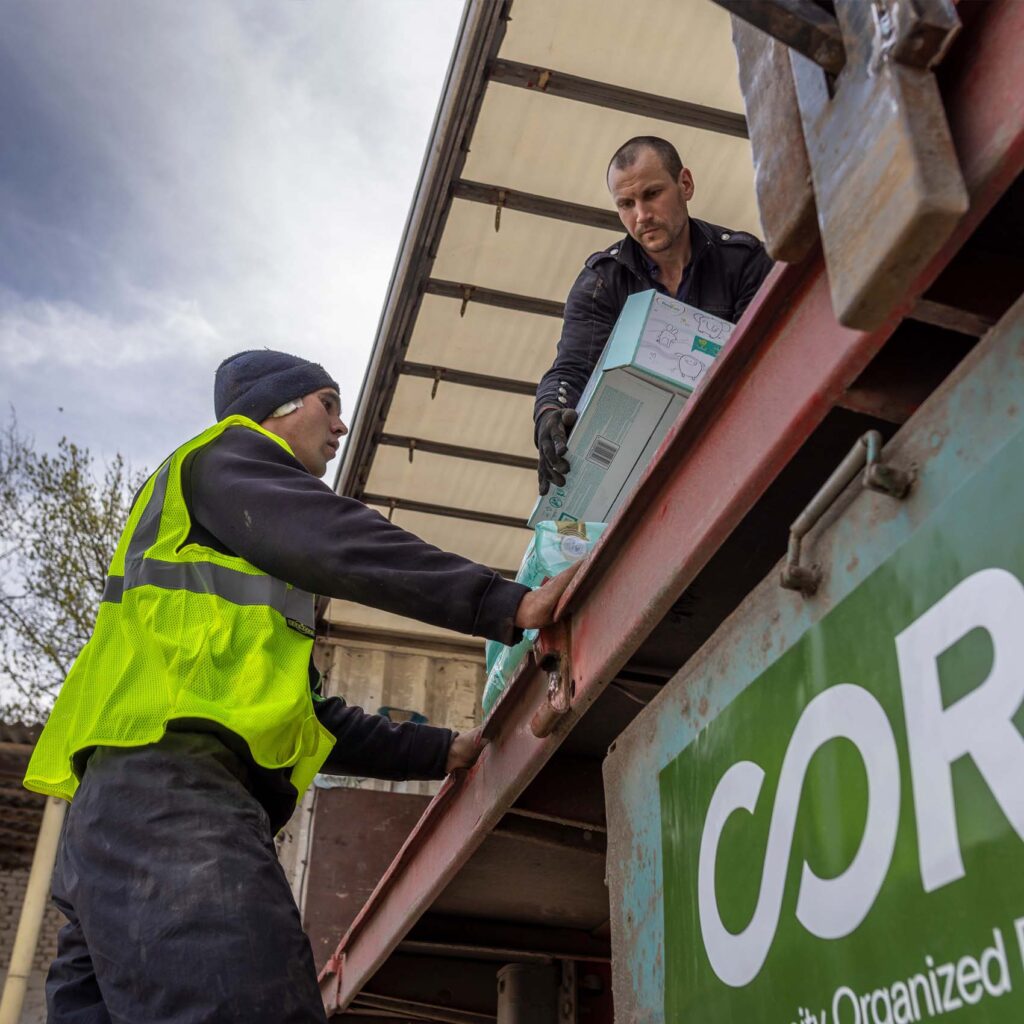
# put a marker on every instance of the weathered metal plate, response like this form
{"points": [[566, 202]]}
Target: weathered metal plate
{"points": [[532, 876], [782, 174], [958, 441], [887, 183], [356, 836]]}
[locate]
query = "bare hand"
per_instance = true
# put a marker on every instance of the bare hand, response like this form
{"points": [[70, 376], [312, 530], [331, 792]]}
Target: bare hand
{"points": [[465, 749], [537, 608]]}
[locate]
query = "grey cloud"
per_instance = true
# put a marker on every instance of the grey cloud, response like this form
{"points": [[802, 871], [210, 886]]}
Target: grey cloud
{"points": [[185, 179]]}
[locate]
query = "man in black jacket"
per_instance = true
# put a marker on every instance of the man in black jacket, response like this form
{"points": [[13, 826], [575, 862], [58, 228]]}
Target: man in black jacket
{"points": [[713, 268], [178, 910]]}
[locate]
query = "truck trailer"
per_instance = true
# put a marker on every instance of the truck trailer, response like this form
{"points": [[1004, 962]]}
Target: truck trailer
{"points": [[766, 766]]}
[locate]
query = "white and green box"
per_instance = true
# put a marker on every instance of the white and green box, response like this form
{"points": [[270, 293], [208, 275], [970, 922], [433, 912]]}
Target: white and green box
{"points": [[658, 353]]}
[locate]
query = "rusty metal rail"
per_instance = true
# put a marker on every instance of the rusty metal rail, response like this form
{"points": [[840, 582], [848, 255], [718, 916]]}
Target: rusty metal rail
{"points": [[788, 364]]}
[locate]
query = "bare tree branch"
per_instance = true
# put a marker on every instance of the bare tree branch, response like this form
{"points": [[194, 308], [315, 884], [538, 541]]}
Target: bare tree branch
{"points": [[59, 525]]}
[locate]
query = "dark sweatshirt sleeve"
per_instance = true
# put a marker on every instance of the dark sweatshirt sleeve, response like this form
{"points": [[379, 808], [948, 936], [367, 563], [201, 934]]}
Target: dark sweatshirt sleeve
{"points": [[377, 748], [263, 505], [587, 322]]}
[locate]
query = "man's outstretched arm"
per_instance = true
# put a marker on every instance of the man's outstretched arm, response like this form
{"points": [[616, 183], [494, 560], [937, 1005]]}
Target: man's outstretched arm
{"points": [[261, 504]]}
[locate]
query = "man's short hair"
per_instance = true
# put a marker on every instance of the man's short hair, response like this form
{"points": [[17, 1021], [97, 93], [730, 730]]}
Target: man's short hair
{"points": [[629, 152]]}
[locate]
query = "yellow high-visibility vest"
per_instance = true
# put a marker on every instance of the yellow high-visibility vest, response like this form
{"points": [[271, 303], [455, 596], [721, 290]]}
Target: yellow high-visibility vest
{"points": [[186, 632]]}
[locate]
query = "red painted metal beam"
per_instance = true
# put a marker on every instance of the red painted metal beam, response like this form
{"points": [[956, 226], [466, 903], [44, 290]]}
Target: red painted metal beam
{"points": [[789, 362]]}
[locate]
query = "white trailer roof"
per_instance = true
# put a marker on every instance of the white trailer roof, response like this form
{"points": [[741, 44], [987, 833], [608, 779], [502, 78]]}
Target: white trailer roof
{"points": [[538, 97]]}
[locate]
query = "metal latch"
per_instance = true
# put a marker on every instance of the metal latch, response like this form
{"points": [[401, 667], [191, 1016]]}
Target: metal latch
{"points": [[551, 650], [865, 455], [852, 126]]}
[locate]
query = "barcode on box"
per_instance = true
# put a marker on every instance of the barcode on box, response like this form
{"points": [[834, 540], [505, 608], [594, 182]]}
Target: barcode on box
{"points": [[602, 451]]}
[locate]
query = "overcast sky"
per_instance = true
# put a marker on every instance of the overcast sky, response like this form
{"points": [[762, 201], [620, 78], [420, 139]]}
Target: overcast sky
{"points": [[182, 179]]}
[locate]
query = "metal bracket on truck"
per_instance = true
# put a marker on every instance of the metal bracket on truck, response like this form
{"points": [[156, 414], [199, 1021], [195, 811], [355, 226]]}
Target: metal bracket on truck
{"points": [[551, 649], [865, 455]]}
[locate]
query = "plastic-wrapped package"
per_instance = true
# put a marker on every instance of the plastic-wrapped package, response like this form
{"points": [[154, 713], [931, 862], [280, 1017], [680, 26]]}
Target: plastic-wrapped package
{"points": [[553, 547]]}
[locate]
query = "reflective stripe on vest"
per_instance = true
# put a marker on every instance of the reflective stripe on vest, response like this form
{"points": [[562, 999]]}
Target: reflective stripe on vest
{"points": [[297, 606]]}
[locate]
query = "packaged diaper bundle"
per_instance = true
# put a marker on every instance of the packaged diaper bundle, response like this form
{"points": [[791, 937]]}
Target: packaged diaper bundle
{"points": [[554, 547]]}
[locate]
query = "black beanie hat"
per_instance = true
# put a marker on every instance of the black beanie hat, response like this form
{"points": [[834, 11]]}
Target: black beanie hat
{"points": [[257, 382]]}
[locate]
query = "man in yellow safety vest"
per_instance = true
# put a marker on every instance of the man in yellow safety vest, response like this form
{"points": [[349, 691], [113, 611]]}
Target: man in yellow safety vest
{"points": [[192, 719]]}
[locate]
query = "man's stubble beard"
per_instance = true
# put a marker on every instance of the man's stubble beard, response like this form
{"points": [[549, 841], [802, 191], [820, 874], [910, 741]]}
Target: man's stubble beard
{"points": [[667, 244], [670, 239]]}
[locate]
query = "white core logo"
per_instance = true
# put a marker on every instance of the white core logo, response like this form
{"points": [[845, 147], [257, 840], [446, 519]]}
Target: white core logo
{"points": [[979, 725]]}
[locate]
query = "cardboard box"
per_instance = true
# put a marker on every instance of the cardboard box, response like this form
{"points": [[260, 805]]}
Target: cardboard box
{"points": [[657, 355]]}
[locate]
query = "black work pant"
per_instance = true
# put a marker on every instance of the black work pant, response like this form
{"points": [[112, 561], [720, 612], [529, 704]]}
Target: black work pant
{"points": [[178, 909]]}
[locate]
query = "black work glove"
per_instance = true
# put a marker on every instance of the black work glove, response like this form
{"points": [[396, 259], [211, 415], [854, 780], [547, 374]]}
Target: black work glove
{"points": [[553, 429]]}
